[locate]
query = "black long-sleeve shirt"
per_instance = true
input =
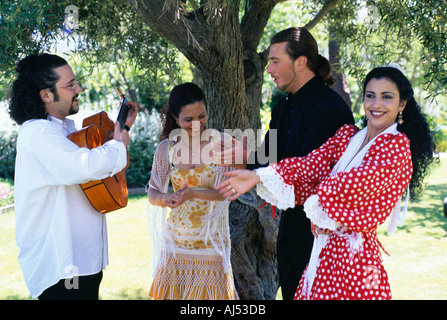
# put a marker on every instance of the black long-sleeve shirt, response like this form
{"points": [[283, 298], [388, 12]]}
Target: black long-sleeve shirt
{"points": [[303, 122]]}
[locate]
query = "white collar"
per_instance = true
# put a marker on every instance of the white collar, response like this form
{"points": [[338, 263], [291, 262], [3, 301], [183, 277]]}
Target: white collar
{"points": [[67, 125], [351, 158]]}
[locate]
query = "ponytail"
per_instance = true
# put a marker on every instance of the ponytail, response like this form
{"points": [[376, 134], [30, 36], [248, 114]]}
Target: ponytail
{"points": [[324, 71], [34, 73]]}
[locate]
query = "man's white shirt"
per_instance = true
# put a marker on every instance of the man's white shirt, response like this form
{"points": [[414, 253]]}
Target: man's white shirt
{"points": [[58, 232]]}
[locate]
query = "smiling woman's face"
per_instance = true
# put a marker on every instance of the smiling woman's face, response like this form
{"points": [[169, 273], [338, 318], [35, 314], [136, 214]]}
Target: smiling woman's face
{"points": [[193, 118], [381, 104]]}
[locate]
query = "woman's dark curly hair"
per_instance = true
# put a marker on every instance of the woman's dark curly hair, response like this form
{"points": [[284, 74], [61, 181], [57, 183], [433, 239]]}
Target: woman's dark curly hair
{"points": [[416, 126], [180, 96], [34, 73]]}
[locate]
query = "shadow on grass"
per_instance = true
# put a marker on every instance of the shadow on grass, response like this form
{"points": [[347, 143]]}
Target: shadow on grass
{"points": [[16, 297], [131, 294], [428, 212], [138, 196], [123, 294]]}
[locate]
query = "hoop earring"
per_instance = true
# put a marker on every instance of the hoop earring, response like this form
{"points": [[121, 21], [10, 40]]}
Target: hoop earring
{"points": [[400, 119]]}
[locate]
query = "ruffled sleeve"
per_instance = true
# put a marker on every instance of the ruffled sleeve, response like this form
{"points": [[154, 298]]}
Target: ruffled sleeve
{"points": [[301, 176], [274, 190]]}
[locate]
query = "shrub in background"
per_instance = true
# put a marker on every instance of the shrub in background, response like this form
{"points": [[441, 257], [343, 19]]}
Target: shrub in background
{"points": [[6, 192], [144, 136], [7, 154]]}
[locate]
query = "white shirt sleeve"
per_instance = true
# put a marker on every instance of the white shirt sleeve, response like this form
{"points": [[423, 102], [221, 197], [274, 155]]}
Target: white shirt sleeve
{"points": [[62, 162]]}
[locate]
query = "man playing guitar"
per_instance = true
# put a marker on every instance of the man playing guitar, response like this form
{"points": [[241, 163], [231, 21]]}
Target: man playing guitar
{"points": [[62, 238]]}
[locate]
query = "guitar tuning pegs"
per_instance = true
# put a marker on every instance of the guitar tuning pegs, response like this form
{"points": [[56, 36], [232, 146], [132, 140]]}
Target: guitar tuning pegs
{"points": [[118, 91]]}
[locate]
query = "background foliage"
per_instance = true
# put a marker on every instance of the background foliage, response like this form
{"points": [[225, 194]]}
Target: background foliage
{"points": [[113, 47]]}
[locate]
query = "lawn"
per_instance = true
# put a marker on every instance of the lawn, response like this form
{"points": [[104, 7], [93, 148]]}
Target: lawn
{"points": [[417, 265]]}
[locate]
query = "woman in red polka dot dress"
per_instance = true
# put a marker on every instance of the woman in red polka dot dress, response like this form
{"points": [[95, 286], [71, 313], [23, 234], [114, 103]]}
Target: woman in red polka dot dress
{"points": [[350, 186]]}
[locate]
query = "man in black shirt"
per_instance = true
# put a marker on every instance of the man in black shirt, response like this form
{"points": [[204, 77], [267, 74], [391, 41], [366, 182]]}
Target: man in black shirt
{"points": [[309, 115], [303, 120]]}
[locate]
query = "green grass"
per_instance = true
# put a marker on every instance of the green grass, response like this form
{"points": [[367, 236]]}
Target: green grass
{"points": [[417, 265], [129, 273]]}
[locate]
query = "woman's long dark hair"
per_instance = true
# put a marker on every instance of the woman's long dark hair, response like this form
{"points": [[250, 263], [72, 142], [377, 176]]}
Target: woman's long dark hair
{"points": [[34, 73], [416, 126], [301, 43], [180, 96]]}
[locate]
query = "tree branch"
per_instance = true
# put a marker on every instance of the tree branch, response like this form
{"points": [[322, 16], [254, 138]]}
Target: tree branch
{"points": [[188, 34], [256, 16], [328, 5]]}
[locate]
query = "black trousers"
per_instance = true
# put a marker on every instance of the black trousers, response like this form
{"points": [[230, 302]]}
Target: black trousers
{"points": [[82, 288], [294, 246]]}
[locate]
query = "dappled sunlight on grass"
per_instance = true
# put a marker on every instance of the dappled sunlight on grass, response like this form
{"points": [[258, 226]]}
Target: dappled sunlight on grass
{"points": [[417, 265]]}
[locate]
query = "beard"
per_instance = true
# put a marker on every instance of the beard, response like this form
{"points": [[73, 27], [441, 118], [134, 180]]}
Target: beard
{"points": [[73, 109], [285, 86]]}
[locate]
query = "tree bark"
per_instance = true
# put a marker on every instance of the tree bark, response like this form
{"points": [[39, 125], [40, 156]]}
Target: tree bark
{"points": [[340, 85], [327, 6], [253, 252], [212, 42]]}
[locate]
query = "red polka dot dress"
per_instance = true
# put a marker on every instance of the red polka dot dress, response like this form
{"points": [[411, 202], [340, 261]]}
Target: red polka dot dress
{"points": [[353, 203]]}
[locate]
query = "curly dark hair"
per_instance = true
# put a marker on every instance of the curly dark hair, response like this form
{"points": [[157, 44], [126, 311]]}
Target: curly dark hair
{"points": [[416, 126], [180, 96], [34, 73]]}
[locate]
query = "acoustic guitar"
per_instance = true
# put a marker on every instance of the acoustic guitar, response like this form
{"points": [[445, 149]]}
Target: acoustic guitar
{"points": [[111, 193]]}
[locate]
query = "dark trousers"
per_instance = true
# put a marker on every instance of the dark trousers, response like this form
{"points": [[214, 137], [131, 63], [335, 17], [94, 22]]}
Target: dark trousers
{"points": [[82, 288], [294, 247]]}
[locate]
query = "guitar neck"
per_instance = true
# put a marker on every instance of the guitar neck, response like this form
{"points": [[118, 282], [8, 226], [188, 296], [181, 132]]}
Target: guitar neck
{"points": [[124, 110]]}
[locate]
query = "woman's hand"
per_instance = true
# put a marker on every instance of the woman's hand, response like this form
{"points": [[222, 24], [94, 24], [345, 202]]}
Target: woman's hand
{"points": [[234, 153], [316, 230], [175, 199], [171, 200], [238, 183]]}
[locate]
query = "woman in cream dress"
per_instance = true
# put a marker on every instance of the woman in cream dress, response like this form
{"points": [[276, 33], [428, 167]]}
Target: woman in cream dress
{"points": [[190, 223]]}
